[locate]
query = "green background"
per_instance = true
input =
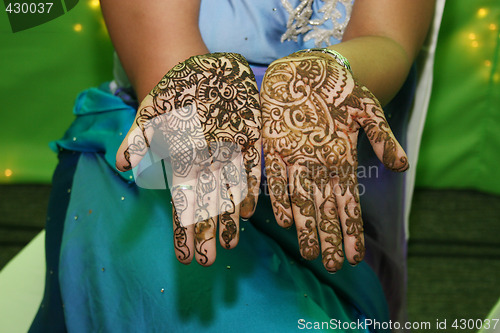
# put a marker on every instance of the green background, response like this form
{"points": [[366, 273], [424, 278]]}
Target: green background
{"points": [[44, 68], [42, 71], [461, 141]]}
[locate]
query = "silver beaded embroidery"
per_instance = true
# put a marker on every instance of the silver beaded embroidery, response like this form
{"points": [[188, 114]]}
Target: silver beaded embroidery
{"points": [[300, 22]]}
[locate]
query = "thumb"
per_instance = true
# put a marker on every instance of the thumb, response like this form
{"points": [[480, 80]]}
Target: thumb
{"points": [[137, 141], [375, 125]]}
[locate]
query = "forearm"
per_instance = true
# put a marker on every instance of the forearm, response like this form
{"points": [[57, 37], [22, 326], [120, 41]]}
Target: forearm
{"points": [[152, 36], [382, 40], [379, 63]]}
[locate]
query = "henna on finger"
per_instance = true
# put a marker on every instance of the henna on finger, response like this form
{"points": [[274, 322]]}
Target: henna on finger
{"points": [[330, 231], [182, 250], [230, 179], [304, 212], [204, 232], [277, 182], [368, 113], [201, 118], [312, 110]]}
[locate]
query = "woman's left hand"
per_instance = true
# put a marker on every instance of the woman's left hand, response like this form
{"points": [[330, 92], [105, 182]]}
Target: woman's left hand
{"points": [[312, 110]]}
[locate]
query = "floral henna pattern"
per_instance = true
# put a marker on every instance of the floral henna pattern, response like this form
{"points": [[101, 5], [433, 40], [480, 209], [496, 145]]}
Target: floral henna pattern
{"points": [[203, 118], [312, 110]]}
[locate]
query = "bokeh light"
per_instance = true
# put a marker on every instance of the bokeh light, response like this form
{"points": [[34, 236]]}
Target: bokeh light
{"points": [[77, 27], [482, 12], [94, 4]]}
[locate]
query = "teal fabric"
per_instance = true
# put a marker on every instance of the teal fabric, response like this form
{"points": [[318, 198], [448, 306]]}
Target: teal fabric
{"points": [[118, 272], [103, 120]]}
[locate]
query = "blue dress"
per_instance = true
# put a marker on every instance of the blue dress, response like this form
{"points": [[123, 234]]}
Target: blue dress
{"points": [[110, 259]]}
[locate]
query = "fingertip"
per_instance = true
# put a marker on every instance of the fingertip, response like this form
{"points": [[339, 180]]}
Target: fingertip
{"points": [[393, 156], [248, 206], [121, 168], [231, 245], [285, 223], [399, 164], [403, 164], [310, 253], [333, 267], [122, 162], [184, 254], [208, 262], [356, 258], [185, 261]]}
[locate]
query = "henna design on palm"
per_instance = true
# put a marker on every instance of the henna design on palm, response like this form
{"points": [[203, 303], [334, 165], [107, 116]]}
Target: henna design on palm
{"points": [[312, 111], [203, 121]]}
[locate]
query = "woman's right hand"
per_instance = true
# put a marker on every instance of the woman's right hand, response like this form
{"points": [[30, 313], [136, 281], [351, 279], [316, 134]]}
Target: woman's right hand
{"points": [[203, 121]]}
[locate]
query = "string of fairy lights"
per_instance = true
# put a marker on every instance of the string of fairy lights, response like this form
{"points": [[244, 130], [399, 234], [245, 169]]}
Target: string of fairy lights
{"points": [[485, 35], [484, 40]]}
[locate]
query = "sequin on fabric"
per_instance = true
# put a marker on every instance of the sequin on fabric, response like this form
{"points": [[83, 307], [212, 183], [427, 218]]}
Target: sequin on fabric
{"points": [[300, 22]]}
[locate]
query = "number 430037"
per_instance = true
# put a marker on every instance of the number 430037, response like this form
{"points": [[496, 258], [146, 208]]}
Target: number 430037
{"points": [[31, 8]]}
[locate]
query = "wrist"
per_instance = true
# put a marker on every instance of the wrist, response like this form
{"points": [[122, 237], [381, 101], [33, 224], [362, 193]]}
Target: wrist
{"points": [[149, 73], [339, 58]]}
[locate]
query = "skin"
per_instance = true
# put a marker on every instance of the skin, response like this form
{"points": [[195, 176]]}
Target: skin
{"points": [[380, 41], [163, 34], [312, 111], [203, 120]]}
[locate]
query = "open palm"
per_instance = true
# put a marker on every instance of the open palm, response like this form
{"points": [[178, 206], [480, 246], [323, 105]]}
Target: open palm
{"points": [[312, 111], [200, 129]]}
